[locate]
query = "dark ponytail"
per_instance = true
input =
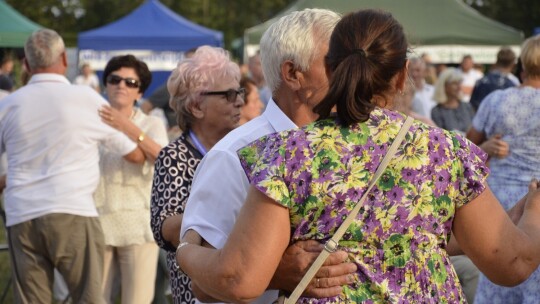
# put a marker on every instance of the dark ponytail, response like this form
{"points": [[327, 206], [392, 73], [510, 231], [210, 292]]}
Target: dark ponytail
{"points": [[367, 49]]}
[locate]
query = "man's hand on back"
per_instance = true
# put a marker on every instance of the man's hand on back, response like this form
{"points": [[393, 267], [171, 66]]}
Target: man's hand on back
{"points": [[328, 281]]}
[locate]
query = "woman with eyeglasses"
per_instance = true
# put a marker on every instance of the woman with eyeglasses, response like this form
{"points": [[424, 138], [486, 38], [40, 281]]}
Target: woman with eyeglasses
{"points": [[123, 195], [207, 98]]}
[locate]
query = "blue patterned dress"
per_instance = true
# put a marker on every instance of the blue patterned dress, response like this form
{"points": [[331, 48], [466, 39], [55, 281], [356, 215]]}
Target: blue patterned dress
{"points": [[515, 114], [398, 240]]}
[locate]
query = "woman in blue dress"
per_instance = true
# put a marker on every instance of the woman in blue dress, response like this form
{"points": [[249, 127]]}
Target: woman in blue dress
{"points": [[512, 115]]}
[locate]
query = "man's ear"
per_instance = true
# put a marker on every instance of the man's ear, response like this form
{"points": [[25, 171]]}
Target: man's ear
{"points": [[64, 59], [27, 66], [290, 75]]}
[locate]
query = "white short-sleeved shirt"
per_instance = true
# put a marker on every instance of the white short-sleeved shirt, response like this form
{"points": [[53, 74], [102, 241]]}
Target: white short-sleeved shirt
{"points": [[51, 132], [220, 185], [423, 101], [469, 80]]}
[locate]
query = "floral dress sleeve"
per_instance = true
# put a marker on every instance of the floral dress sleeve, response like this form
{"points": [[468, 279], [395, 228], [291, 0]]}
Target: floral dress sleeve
{"points": [[470, 169], [265, 167]]}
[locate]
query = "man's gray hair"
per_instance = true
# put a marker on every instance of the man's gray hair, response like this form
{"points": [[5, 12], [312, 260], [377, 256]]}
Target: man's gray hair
{"points": [[43, 48], [292, 37]]}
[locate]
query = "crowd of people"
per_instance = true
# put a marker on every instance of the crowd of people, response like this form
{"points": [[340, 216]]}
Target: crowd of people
{"points": [[241, 185]]}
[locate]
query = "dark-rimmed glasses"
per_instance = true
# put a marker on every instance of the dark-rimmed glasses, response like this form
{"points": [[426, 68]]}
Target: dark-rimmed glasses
{"points": [[230, 94], [130, 82]]}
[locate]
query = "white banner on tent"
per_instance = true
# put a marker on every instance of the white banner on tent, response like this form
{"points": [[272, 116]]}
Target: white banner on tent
{"points": [[156, 61], [454, 53]]}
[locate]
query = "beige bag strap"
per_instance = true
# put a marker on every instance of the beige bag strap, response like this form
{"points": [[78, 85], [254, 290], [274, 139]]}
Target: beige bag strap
{"points": [[332, 244]]}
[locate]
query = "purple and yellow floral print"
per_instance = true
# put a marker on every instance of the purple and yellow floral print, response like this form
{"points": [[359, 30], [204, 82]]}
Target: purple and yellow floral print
{"points": [[399, 237]]}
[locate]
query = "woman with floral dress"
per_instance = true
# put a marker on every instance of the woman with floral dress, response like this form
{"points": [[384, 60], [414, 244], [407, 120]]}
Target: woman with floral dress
{"points": [[306, 181], [512, 115]]}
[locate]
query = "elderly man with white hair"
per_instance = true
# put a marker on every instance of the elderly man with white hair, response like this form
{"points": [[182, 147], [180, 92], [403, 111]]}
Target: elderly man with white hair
{"points": [[51, 132], [294, 71]]}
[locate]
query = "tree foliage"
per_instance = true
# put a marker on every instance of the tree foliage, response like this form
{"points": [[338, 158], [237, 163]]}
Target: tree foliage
{"points": [[232, 17], [68, 17], [523, 14]]}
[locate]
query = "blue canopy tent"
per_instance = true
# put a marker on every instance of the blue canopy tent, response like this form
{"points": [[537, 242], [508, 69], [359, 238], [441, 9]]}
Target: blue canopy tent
{"points": [[153, 33]]}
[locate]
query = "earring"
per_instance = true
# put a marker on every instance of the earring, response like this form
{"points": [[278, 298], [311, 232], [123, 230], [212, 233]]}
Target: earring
{"points": [[401, 93]]}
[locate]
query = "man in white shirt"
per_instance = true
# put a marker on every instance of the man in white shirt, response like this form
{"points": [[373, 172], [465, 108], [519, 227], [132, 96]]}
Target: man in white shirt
{"points": [[51, 131], [470, 77], [295, 73], [423, 96]]}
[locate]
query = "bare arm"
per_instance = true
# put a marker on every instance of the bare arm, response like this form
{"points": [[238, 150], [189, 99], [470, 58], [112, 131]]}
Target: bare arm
{"points": [[507, 254], [171, 229], [494, 146], [113, 118], [136, 156], [242, 270], [2, 183], [294, 263]]}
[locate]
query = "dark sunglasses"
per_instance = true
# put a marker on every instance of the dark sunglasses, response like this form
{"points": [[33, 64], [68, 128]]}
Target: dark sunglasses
{"points": [[130, 82], [230, 94]]}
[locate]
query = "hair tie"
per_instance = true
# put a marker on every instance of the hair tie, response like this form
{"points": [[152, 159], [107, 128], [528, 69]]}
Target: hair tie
{"points": [[360, 52]]}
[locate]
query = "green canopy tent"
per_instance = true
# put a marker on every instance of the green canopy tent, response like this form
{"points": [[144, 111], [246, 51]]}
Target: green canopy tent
{"points": [[445, 29], [14, 27]]}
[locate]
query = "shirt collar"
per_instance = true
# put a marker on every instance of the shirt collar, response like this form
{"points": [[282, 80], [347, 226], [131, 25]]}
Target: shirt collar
{"points": [[278, 119], [48, 77]]}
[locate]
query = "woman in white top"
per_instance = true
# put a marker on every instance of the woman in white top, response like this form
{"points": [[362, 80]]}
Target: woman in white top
{"points": [[123, 196]]}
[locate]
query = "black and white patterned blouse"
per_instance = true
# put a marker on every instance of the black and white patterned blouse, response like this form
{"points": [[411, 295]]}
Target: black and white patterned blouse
{"points": [[173, 175]]}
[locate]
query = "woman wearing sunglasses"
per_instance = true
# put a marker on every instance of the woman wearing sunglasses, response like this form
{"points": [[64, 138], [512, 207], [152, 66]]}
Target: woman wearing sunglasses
{"points": [[207, 98], [123, 195]]}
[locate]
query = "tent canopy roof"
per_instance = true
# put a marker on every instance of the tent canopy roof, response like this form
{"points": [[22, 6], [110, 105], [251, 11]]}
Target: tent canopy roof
{"points": [[14, 27], [426, 22], [152, 26]]}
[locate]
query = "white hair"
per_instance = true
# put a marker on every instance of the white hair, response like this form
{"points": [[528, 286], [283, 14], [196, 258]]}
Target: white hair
{"points": [[446, 76], [43, 48], [292, 37]]}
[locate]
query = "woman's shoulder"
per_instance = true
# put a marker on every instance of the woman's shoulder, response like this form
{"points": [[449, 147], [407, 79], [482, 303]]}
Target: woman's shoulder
{"points": [[176, 146]]}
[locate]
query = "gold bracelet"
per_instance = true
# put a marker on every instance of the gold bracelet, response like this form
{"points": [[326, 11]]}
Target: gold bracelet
{"points": [[141, 137]]}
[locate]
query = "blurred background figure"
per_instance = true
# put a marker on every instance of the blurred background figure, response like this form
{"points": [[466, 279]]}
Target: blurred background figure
{"points": [[431, 72], [423, 101], [253, 105], [512, 115], [87, 77], [500, 77], [6, 67], [255, 71], [451, 113], [403, 103], [123, 194], [157, 104], [470, 75], [207, 99]]}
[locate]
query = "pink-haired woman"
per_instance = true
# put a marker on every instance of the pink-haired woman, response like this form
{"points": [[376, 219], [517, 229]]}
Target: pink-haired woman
{"points": [[207, 98]]}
